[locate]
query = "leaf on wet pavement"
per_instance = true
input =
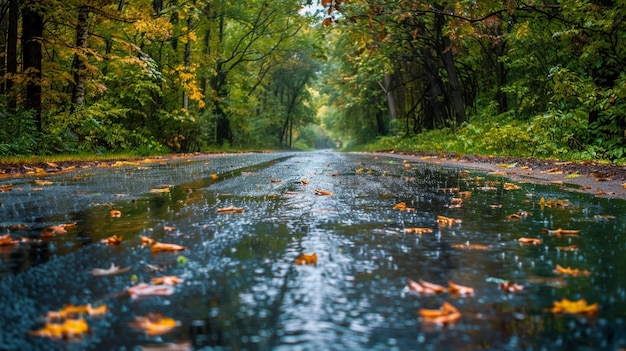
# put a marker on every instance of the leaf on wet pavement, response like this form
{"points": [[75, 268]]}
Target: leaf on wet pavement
{"points": [[519, 215], [115, 213], [154, 324], [564, 231], [401, 206], [424, 287], [454, 288], [322, 192], [143, 289], [4, 188], [533, 241], [230, 209], [72, 311], [306, 259], [509, 286], [567, 248], [180, 346], [167, 280], [146, 240], [6, 240], [112, 270], [574, 307], [469, 246], [69, 329], [418, 231], [112, 240], [511, 186], [159, 247], [53, 230], [571, 271], [447, 314], [447, 221]]}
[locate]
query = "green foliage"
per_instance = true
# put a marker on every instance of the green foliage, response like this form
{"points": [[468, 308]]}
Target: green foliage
{"points": [[18, 135]]}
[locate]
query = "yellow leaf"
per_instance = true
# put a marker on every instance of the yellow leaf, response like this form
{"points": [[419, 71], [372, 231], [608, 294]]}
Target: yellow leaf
{"points": [[574, 307], [154, 324]]}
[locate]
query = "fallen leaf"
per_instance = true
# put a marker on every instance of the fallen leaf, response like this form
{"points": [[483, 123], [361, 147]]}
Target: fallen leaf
{"points": [[418, 231], [167, 280], [115, 213], [179, 346], [168, 228], [6, 240], [160, 190], [401, 206], [447, 221], [112, 240], [570, 271], [53, 230], [564, 232], [6, 188], [471, 246], [603, 217], [158, 247], [230, 209], [43, 182], [510, 286], [143, 289], [71, 311], [567, 248], [424, 287], [454, 288], [446, 315], [534, 241], [574, 307], [112, 270], [70, 329], [146, 241], [307, 259], [304, 182], [323, 192], [214, 176], [154, 324], [511, 186], [275, 181]]}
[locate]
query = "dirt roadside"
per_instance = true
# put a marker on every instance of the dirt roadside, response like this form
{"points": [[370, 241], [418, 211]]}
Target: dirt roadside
{"points": [[604, 180]]}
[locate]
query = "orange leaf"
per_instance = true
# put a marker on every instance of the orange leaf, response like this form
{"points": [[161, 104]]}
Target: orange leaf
{"points": [[510, 287], [304, 182], [447, 221], [418, 231], [167, 280], [143, 289], [147, 241], [562, 270], [459, 289], [115, 213], [567, 248], [424, 287], [446, 315], [71, 311], [534, 241], [564, 232], [157, 247], [6, 240], [6, 188], [471, 246], [112, 240], [154, 324], [307, 259], [230, 209], [574, 307], [69, 329], [322, 192]]}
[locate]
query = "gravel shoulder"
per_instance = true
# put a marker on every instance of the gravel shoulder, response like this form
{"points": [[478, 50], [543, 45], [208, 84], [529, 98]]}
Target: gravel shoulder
{"points": [[603, 180]]}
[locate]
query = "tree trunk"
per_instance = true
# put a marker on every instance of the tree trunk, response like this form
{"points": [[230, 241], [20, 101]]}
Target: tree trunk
{"points": [[79, 65], [187, 60], [32, 33], [456, 94], [11, 50]]}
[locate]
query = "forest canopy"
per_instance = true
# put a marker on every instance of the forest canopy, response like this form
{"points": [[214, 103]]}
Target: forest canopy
{"points": [[155, 76]]}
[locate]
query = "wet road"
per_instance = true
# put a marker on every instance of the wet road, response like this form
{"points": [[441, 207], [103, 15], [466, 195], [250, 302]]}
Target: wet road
{"points": [[242, 289]]}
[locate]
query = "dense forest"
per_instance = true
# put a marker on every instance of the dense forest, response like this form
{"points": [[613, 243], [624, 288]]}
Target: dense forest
{"points": [[538, 78]]}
